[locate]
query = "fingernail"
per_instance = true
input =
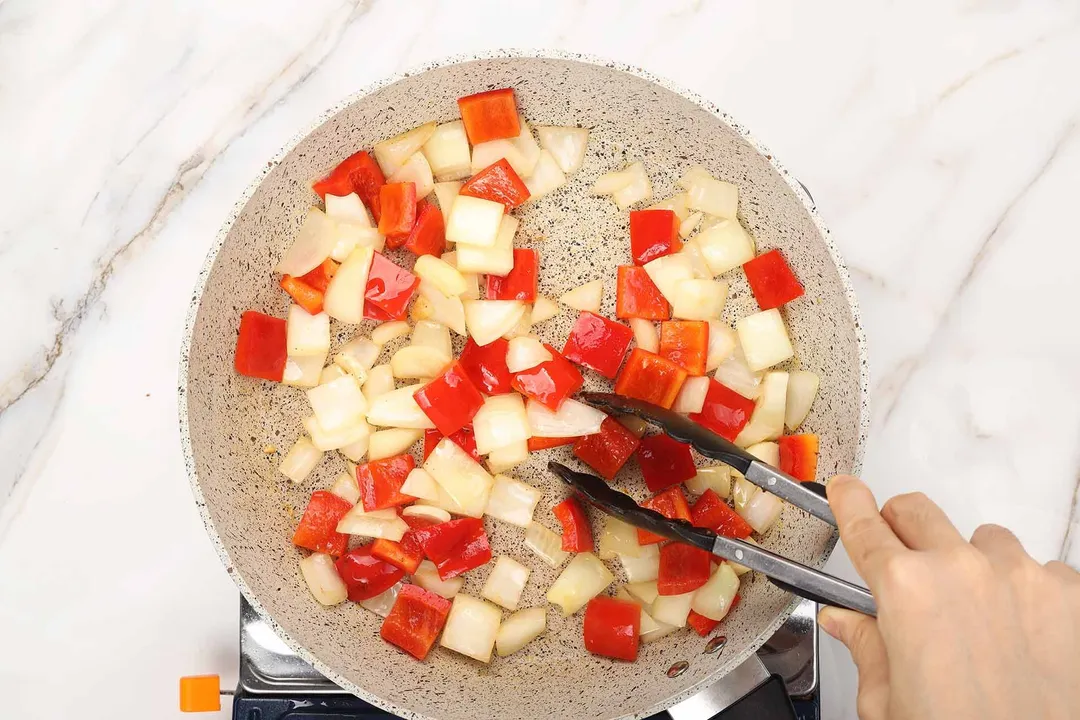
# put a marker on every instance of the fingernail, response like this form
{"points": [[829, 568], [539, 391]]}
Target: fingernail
{"points": [[827, 622]]}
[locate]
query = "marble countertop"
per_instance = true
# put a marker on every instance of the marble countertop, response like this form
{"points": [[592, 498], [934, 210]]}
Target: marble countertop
{"points": [[941, 140]]}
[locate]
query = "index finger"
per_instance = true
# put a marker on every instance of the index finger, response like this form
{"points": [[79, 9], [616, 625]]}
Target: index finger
{"points": [[868, 538]]}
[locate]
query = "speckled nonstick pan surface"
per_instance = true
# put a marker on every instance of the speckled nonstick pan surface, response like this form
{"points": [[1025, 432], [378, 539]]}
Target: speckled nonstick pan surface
{"points": [[250, 509]]}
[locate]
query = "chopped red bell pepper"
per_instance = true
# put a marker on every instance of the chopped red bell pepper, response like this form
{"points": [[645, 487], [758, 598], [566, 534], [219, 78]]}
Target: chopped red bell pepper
{"points": [[456, 546], [358, 173], [380, 482], [671, 504], [398, 204], [683, 568], [576, 530], [416, 620], [498, 183], [653, 233], [376, 313], [261, 348], [317, 530], [543, 443], [407, 553], [711, 512], [636, 296], [612, 627], [463, 438], [725, 411], [490, 115], [428, 236], [486, 366], [450, 400], [799, 456], [598, 343], [649, 377], [685, 343], [702, 625], [522, 281], [365, 575], [664, 462], [320, 277], [390, 288], [303, 294], [551, 382], [608, 450], [771, 280]]}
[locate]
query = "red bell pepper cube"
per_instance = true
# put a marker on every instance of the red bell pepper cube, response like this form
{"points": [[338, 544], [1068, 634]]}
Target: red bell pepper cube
{"points": [[415, 621], [490, 115], [390, 288], [498, 183], [320, 277], [636, 296], [551, 382], [653, 233], [261, 348], [702, 625], [685, 343], [799, 456], [397, 202], [358, 173], [486, 366], [576, 531], [463, 438], [683, 568], [303, 294], [664, 462], [671, 504], [380, 482], [543, 443], [407, 553], [711, 512], [450, 400], [649, 377], [428, 236], [598, 343], [365, 575], [725, 411], [608, 450], [456, 546], [771, 280], [376, 313], [522, 281], [612, 627], [317, 530]]}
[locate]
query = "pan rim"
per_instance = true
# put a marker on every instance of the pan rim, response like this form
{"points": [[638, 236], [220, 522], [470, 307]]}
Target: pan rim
{"points": [[504, 54]]}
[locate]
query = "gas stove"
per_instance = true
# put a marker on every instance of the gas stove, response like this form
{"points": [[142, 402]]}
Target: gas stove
{"points": [[780, 682]]}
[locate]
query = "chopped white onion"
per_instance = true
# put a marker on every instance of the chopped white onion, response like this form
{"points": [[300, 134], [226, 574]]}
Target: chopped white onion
{"points": [[474, 221], [463, 479], [342, 437], [440, 274], [669, 272], [676, 204], [646, 592], [508, 457], [725, 245], [445, 194], [472, 280], [498, 259], [672, 609], [572, 419], [312, 245], [566, 144], [357, 450], [328, 373], [766, 452], [347, 208], [692, 251], [699, 299], [733, 373], [617, 538], [447, 151], [639, 189], [645, 335], [546, 177], [712, 196], [505, 583], [764, 339], [583, 579], [546, 544], [420, 484], [691, 397], [713, 599], [427, 577], [585, 297], [521, 152], [432, 304], [380, 381], [762, 512], [417, 171], [716, 478], [433, 336], [471, 627], [611, 182], [722, 341], [522, 328], [742, 491], [692, 175], [374, 524], [304, 371], [300, 460], [801, 391], [388, 443], [382, 603], [644, 566], [397, 408], [387, 331], [519, 630], [443, 501], [525, 352], [511, 501], [689, 225], [652, 630], [418, 362], [357, 356], [499, 422], [307, 334], [767, 420], [351, 235], [543, 309], [427, 512], [487, 320], [344, 298], [345, 487], [338, 404], [323, 580], [392, 154]]}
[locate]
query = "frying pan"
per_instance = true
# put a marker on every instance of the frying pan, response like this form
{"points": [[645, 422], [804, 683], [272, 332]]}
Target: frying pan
{"points": [[229, 422]]}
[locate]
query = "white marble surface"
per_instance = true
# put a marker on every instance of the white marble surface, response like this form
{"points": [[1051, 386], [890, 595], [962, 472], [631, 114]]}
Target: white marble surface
{"points": [[941, 140]]}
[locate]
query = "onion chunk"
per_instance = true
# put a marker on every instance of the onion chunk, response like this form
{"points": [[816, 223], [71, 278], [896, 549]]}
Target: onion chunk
{"points": [[519, 630], [511, 501], [471, 627], [583, 579], [505, 583]]}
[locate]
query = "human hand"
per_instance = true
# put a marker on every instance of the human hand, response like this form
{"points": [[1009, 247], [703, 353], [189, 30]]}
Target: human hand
{"points": [[964, 629]]}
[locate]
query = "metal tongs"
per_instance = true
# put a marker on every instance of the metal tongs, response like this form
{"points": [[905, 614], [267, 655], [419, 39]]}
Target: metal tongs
{"points": [[784, 573]]}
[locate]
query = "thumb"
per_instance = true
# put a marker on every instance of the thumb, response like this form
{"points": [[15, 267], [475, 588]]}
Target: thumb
{"points": [[859, 633]]}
